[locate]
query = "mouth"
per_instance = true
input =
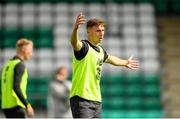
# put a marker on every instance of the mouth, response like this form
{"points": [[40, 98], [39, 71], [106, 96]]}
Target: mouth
{"points": [[101, 37]]}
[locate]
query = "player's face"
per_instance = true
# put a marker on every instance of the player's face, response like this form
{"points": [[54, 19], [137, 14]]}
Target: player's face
{"points": [[64, 72], [97, 33], [28, 51]]}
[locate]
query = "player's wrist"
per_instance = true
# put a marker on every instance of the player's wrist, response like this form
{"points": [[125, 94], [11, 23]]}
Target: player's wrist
{"points": [[76, 26], [126, 63]]}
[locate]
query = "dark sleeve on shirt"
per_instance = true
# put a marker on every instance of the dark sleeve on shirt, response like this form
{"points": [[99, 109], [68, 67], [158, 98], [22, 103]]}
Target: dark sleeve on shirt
{"points": [[105, 55], [79, 55], [18, 73]]}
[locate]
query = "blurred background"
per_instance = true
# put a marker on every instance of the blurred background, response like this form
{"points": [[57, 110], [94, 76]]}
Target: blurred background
{"points": [[147, 29]]}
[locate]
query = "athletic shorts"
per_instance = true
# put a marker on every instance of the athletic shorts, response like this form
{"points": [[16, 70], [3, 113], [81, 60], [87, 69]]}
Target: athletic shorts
{"points": [[16, 112], [82, 108]]}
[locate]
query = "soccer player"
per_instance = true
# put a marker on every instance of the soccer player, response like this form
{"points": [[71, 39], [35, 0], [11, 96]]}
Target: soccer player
{"points": [[89, 56], [14, 82]]}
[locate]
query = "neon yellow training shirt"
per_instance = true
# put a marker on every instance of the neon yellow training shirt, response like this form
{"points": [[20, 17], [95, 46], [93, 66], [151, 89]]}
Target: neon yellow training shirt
{"points": [[86, 75], [9, 97]]}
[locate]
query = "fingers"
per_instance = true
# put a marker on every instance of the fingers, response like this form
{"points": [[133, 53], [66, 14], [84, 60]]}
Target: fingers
{"points": [[80, 20], [133, 67], [130, 58], [133, 64]]}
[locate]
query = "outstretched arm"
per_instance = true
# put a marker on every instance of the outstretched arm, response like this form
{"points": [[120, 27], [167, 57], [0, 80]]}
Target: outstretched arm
{"points": [[75, 42], [130, 63]]}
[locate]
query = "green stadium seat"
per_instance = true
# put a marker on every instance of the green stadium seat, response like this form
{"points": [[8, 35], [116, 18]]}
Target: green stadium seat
{"points": [[31, 86], [37, 90], [104, 80], [151, 90], [45, 31], [133, 78], [123, 114], [58, 1], [45, 38], [2, 43], [9, 42], [115, 79], [32, 101], [161, 6], [10, 32], [9, 36], [27, 1], [28, 33], [42, 102], [42, 85], [118, 1], [153, 114], [113, 113], [79, 1], [152, 104], [175, 6], [151, 79], [134, 103], [105, 101], [116, 90], [116, 103], [134, 114], [144, 1], [113, 103], [124, 1], [93, 1], [134, 90], [104, 90], [42, 1], [2, 40], [12, 1], [44, 42]]}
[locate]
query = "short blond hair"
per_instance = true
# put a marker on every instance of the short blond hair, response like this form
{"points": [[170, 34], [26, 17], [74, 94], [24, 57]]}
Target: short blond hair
{"points": [[22, 42]]}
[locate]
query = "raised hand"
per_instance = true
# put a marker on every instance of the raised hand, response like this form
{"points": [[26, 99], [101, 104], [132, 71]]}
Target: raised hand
{"points": [[132, 64], [79, 20]]}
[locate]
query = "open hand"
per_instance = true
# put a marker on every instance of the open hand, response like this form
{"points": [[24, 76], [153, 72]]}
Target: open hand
{"points": [[132, 64]]}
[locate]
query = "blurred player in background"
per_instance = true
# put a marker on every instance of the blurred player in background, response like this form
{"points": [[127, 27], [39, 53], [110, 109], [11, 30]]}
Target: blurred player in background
{"points": [[89, 56], [14, 82], [59, 88]]}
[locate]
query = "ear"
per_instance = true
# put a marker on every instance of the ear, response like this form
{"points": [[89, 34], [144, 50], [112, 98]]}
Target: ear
{"points": [[89, 31], [23, 49]]}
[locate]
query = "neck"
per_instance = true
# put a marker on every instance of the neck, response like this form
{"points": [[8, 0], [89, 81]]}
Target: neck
{"points": [[92, 42], [20, 56]]}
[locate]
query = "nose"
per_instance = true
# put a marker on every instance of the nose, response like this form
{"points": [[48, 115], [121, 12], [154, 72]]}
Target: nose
{"points": [[102, 33], [31, 54]]}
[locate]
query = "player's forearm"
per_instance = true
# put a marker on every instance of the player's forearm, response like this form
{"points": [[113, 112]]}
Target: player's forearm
{"points": [[117, 61], [75, 39]]}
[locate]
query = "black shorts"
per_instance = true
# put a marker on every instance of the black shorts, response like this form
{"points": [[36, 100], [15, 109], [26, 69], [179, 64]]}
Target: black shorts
{"points": [[16, 112], [82, 108]]}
